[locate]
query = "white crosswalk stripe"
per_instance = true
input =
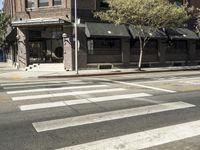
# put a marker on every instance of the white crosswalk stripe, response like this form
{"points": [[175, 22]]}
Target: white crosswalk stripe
{"points": [[56, 89], [36, 86], [133, 141], [81, 101], [142, 140], [37, 82], [108, 116], [66, 94]]}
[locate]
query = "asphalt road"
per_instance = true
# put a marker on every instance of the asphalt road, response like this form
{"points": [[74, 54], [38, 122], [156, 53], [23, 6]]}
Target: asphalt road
{"points": [[121, 112]]}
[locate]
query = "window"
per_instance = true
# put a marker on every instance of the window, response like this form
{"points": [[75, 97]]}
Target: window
{"points": [[177, 46], [104, 47], [29, 3], [56, 2], [103, 4], [198, 45], [150, 48], [43, 3], [179, 2]]}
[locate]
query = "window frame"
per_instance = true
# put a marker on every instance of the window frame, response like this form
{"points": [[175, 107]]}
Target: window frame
{"points": [[108, 46], [57, 4], [27, 4], [39, 4]]}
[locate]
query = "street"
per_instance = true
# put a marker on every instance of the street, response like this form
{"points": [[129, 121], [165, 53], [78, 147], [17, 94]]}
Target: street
{"points": [[117, 112]]}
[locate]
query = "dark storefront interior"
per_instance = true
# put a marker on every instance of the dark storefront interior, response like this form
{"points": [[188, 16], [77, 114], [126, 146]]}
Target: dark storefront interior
{"points": [[45, 45]]}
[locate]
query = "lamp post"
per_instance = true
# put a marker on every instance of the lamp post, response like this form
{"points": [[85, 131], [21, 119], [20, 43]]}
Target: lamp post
{"points": [[76, 39]]}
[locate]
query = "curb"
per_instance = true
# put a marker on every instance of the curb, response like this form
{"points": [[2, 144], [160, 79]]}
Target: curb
{"points": [[116, 73]]}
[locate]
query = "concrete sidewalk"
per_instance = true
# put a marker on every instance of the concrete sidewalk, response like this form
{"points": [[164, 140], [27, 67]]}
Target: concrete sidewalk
{"points": [[8, 72]]}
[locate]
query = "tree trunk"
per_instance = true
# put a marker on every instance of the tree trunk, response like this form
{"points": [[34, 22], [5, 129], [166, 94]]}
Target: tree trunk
{"points": [[140, 59], [141, 55]]}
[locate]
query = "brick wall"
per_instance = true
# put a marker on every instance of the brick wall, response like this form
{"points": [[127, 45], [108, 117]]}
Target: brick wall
{"points": [[65, 11]]}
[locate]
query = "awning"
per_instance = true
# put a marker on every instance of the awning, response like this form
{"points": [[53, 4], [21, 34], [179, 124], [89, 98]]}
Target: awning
{"points": [[11, 35], [105, 30], [150, 32], [181, 33], [38, 21]]}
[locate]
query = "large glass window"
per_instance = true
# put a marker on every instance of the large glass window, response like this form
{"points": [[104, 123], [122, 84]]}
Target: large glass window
{"points": [[43, 3], [104, 47], [177, 46], [150, 48], [29, 3], [56, 2], [198, 45]]}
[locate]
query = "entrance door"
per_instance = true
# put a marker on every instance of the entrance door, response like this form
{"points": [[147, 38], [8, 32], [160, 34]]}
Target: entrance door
{"points": [[37, 51]]}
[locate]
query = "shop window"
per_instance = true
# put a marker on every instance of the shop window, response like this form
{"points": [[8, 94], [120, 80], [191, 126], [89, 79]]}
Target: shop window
{"points": [[56, 2], [104, 47], [33, 34], [177, 46], [59, 52], [150, 48], [135, 47], [43, 3], [29, 3], [198, 46]]}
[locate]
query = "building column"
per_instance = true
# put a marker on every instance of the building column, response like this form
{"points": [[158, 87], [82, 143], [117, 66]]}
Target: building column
{"points": [[23, 5], [36, 4], [50, 3], [191, 45], [64, 3], [125, 47], [162, 48], [68, 50], [22, 56]]}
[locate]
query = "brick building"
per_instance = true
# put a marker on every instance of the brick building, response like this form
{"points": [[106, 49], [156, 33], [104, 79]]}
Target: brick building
{"points": [[44, 31]]}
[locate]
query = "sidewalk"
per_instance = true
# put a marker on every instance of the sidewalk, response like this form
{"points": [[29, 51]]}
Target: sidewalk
{"points": [[7, 72]]}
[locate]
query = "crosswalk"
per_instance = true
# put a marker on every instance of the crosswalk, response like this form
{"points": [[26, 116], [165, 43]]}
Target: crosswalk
{"points": [[34, 96]]}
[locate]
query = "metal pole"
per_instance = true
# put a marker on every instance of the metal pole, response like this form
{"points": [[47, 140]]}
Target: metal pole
{"points": [[76, 39]]}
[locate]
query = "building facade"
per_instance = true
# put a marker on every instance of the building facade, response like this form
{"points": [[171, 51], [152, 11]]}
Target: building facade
{"points": [[43, 32]]}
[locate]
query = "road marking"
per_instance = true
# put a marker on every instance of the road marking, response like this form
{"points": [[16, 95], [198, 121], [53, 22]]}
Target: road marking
{"points": [[138, 85], [38, 82], [168, 80], [147, 87], [107, 116], [145, 139], [56, 89], [81, 101], [40, 85], [66, 94], [193, 82]]}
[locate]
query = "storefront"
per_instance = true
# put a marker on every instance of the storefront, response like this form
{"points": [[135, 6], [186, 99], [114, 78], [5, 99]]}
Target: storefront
{"points": [[181, 46], [153, 50], [106, 43], [39, 41]]}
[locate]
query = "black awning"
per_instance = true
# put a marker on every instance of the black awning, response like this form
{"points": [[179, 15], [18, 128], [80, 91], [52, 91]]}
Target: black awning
{"points": [[11, 36], [105, 30], [150, 32], [38, 21], [181, 33]]}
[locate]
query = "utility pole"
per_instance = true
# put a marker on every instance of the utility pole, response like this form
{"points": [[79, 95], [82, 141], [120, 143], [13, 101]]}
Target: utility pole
{"points": [[76, 37]]}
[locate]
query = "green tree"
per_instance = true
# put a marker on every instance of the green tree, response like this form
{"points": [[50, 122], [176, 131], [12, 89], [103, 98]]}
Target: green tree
{"points": [[141, 13], [4, 18]]}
